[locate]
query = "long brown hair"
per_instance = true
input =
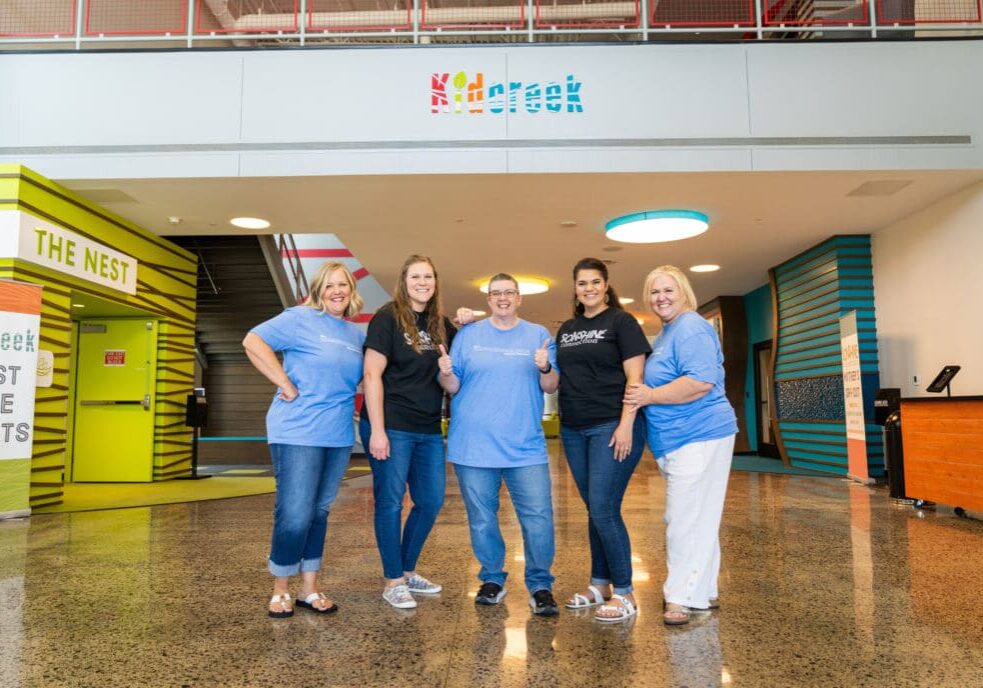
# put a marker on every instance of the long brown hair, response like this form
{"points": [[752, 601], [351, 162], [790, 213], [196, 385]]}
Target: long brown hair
{"points": [[434, 310], [610, 298]]}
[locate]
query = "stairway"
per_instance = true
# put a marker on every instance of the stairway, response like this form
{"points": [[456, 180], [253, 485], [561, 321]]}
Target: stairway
{"points": [[236, 291]]}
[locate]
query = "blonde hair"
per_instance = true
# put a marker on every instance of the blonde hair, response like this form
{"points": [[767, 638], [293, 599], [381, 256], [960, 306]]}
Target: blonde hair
{"points": [[685, 288], [317, 288]]}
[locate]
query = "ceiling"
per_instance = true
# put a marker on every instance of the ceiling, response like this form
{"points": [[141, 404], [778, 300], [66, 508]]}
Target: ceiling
{"points": [[475, 225]]}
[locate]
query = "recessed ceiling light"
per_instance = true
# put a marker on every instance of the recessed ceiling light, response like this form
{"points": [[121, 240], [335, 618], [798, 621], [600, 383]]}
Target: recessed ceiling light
{"points": [[705, 268], [625, 300], [527, 285], [249, 222], [78, 305], [654, 226], [476, 312], [174, 220], [568, 223]]}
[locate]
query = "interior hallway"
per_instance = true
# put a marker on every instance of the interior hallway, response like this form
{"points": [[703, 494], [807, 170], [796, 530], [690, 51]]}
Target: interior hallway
{"points": [[825, 583]]}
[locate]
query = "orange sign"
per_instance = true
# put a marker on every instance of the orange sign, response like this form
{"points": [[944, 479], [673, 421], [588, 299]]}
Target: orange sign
{"points": [[114, 357]]}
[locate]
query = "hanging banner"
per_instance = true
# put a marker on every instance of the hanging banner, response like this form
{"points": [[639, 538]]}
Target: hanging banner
{"points": [[853, 399], [20, 322]]}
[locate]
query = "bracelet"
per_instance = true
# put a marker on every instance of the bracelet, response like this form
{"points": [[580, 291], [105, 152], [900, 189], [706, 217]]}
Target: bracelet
{"points": [[549, 369]]}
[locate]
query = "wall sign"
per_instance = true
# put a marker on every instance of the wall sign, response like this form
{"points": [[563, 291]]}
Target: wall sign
{"points": [[114, 358], [44, 243], [459, 93]]}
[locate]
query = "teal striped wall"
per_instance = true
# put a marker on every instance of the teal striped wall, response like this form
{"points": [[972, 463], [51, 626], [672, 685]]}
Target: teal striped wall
{"points": [[811, 292]]}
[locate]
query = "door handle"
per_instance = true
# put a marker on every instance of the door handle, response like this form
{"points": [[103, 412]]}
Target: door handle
{"points": [[145, 402]]}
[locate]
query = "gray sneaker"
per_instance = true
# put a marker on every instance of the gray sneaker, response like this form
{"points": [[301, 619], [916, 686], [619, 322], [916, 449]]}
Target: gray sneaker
{"points": [[399, 596], [417, 583]]}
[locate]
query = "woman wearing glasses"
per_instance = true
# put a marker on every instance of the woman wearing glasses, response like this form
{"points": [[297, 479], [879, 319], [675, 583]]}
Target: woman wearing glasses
{"points": [[400, 426], [309, 425], [691, 429], [601, 350], [497, 371]]}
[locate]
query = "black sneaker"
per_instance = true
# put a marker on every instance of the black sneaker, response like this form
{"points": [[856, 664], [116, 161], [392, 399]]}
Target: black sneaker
{"points": [[489, 593], [543, 604]]}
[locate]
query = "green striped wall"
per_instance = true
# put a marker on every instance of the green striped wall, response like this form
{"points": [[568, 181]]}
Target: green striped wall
{"points": [[811, 292], [165, 288]]}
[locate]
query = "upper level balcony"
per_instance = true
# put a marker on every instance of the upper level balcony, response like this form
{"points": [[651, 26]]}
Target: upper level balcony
{"points": [[99, 24]]}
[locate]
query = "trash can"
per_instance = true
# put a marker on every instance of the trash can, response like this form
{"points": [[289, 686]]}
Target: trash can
{"points": [[894, 456]]}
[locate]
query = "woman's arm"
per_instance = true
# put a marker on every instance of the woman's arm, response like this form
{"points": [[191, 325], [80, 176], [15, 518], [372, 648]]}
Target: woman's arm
{"points": [[682, 390], [621, 440], [265, 360], [375, 366]]}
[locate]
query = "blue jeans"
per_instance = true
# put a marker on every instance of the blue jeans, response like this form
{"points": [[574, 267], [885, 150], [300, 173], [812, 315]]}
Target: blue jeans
{"points": [[602, 481], [415, 459], [529, 487], [307, 481]]}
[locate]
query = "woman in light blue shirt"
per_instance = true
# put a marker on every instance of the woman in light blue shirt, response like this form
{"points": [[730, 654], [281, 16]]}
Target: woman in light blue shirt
{"points": [[309, 425], [691, 429]]}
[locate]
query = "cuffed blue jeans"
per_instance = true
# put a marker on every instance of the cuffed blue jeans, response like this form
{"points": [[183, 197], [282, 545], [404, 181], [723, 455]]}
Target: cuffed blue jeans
{"points": [[416, 460], [307, 481], [529, 488], [602, 481]]}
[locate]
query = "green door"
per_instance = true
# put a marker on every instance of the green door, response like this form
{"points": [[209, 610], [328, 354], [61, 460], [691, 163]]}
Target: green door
{"points": [[114, 415]]}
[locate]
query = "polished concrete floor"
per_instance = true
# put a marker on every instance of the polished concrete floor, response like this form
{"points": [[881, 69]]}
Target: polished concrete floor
{"points": [[824, 583]]}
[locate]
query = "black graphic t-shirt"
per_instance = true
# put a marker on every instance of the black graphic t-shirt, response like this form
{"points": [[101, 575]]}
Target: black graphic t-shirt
{"points": [[412, 395], [590, 353]]}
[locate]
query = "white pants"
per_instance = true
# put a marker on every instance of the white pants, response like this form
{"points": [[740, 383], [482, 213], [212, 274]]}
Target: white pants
{"points": [[696, 483]]}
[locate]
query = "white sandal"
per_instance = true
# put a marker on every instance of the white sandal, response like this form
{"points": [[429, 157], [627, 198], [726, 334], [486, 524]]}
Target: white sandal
{"points": [[624, 611], [285, 611], [579, 601]]}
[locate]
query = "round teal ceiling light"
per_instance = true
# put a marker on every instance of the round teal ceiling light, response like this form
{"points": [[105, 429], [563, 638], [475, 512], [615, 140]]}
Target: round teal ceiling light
{"points": [[653, 226]]}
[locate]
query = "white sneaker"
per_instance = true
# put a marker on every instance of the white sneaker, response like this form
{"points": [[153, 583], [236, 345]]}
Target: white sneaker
{"points": [[417, 583], [399, 596]]}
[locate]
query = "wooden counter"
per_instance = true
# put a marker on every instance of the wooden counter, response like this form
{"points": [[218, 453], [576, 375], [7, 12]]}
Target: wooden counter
{"points": [[943, 450]]}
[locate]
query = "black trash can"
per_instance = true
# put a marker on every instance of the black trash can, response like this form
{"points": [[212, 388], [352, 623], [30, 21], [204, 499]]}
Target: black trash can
{"points": [[894, 456]]}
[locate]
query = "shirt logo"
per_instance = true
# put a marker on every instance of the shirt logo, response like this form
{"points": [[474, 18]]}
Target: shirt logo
{"points": [[582, 337], [502, 350], [325, 339], [423, 338]]}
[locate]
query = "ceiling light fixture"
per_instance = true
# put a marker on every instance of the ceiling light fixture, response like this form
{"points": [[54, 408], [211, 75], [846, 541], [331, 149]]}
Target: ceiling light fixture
{"points": [[709, 267], [249, 222], [653, 226], [476, 312], [624, 300], [527, 285]]}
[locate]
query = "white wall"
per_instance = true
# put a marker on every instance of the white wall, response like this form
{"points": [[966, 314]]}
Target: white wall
{"points": [[646, 108], [928, 277]]}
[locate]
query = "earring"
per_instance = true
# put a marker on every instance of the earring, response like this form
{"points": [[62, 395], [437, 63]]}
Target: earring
{"points": [[607, 297]]}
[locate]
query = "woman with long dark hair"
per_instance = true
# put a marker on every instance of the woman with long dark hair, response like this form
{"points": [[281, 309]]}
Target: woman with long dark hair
{"points": [[400, 424], [600, 351]]}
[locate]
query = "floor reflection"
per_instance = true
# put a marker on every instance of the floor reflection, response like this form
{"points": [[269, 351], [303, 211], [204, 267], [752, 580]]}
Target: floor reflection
{"points": [[824, 583]]}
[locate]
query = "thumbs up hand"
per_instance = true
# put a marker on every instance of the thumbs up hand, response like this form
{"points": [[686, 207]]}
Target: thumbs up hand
{"points": [[464, 316], [542, 358], [444, 363]]}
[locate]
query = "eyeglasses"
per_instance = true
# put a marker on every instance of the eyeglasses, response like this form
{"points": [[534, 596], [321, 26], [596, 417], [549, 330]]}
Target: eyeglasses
{"points": [[508, 293]]}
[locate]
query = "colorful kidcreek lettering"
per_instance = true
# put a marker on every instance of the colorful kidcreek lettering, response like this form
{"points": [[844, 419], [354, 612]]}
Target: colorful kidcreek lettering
{"points": [[460, 94]]}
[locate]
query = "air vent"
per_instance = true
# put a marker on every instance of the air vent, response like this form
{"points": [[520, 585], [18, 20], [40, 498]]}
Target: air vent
{"points": [[881, 187]]}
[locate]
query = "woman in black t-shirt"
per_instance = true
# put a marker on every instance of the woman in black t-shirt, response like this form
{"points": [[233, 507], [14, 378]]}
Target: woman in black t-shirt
{"points": [[599, 351], [400, 424]]}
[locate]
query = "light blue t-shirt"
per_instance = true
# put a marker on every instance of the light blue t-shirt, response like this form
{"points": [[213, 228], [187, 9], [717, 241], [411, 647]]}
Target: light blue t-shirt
{"points": [[496, 416], [687, 346], [322, 356]]}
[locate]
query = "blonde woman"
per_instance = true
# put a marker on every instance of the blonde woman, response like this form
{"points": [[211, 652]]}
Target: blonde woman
{"points": [[691, 429], [309, 425]]}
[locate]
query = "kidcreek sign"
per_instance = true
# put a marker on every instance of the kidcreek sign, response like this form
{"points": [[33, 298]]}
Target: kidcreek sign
{"points": [[463, 93], [38, 241]]}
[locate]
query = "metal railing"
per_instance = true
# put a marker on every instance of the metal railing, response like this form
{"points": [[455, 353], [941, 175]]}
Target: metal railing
{"points": [[86, 24]]}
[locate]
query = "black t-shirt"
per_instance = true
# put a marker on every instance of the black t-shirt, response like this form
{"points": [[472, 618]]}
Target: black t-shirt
{"points": [[590, 353], [413, 397]]}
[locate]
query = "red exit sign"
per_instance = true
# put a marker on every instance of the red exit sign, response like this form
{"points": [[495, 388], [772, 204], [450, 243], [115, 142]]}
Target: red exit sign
{"points": [[115, 357]]}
